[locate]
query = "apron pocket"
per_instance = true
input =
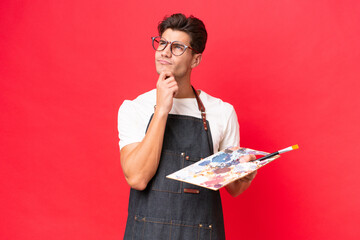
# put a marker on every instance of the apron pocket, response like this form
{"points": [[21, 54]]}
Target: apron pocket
{"points": [[150, 228], [183, 230], [156, 228], [169, 162], [187, 187]]}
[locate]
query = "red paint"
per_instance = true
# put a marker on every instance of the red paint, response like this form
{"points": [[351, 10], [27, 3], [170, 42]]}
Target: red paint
{"points": [[222, 170], [214, 181]]}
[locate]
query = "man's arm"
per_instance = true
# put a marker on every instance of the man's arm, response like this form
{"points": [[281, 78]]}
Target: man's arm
{"points": [[232, 138], [239, 186], [140, 161]]}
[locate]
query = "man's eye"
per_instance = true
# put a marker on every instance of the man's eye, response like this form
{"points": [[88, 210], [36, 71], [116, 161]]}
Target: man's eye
{"points": [[178, 46], [162, 42]]}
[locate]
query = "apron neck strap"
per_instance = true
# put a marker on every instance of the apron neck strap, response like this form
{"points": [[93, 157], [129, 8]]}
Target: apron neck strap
{"points": [[201, 108]]}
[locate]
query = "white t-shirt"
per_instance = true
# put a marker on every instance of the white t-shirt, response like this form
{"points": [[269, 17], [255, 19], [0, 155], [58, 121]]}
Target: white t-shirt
{"points": [[134, 116]]}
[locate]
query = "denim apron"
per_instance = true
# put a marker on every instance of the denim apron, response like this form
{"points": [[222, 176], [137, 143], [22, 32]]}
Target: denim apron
{"points": [[170, 209]]}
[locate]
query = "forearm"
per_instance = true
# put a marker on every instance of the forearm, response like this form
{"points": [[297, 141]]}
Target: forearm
{"points": [[141, 162]]}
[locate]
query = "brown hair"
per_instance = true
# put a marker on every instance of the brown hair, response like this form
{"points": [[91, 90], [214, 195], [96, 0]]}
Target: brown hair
{"points": [[191, 25]]}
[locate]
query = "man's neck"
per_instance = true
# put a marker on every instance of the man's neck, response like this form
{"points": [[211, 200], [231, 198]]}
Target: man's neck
{"points": [[185, 89]]}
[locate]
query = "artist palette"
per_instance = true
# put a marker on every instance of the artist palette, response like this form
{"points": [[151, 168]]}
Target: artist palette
{"points": [[222, 168]]}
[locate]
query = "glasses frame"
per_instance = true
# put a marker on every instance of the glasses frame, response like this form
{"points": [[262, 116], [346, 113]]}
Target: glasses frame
{"points": [[168, 42]]}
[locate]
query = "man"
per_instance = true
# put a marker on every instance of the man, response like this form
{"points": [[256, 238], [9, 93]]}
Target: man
{"points": [[167, 129]]}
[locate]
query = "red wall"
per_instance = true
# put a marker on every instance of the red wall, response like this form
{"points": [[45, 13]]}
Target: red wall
{"points": [[290, 68]]}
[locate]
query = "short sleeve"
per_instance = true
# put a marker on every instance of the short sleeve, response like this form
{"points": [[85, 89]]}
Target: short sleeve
{"points": [[231, 131], [131, 126]]}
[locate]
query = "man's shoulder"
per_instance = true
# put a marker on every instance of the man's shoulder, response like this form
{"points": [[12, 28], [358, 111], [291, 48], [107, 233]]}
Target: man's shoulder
{"points": [[144, 98], [216, 104], [147, 96], [142, 103]]}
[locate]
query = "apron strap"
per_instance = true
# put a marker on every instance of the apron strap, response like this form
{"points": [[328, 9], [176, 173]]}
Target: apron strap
{"points": [[201, 108]]}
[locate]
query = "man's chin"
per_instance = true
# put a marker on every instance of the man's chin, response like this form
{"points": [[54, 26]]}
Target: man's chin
{"points": [[160, 69]]}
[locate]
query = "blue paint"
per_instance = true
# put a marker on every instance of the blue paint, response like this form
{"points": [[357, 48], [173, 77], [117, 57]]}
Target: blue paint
{"points": [[204, 163], [223, 157]]}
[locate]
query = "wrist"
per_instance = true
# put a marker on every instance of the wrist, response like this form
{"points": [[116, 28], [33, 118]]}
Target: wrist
{"points": [[160, 112]]}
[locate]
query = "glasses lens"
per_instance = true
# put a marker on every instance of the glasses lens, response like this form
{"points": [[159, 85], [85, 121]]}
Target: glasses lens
{"points": [[177, 48], [159, 44]]}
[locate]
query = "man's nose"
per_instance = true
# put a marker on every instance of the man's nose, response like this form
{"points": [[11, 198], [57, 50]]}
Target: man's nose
{"points": [[167, 51]]}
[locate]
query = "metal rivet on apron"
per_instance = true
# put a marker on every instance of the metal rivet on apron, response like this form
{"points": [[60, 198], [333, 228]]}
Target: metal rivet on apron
{"points": [[210, 226], [182, 154], [200, 225], [187, 158]]}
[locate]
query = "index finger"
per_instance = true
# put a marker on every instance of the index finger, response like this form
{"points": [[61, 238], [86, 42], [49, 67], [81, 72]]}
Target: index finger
{"points": [[166, 74]]}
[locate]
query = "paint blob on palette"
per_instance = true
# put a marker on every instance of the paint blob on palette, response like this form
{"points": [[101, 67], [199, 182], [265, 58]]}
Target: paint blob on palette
{"points": [[220, 169]]}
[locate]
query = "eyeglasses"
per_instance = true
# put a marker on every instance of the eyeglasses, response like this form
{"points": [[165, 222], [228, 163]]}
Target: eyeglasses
{"points": [[177, 48]]}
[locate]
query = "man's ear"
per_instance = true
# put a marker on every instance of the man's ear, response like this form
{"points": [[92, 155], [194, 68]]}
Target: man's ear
{"points": [[196, 60]]}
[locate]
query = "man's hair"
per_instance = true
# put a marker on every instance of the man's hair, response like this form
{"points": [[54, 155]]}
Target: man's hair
{"points": [[191, 25]]}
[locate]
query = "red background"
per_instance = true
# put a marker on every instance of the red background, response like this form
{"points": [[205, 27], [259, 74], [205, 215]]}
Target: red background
{"points": [[289, 67]]}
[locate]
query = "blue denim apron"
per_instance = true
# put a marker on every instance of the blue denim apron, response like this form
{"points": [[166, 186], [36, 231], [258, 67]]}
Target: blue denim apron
{"points": [[170, 209]]}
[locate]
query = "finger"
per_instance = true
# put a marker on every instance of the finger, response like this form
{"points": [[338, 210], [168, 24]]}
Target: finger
{"points": [[164, 75], [172, 84], [251, 176], [169, 80], [245, 158], [160, 79], [167, 74], [175, 90], [164, 83], [249, 157]]}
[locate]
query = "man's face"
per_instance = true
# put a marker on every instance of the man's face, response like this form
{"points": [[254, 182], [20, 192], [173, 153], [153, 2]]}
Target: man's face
{"points": [[179, 66]]}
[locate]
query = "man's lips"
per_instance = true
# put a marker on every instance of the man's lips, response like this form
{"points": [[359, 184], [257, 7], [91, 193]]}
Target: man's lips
{"points": [[164, 62]]}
